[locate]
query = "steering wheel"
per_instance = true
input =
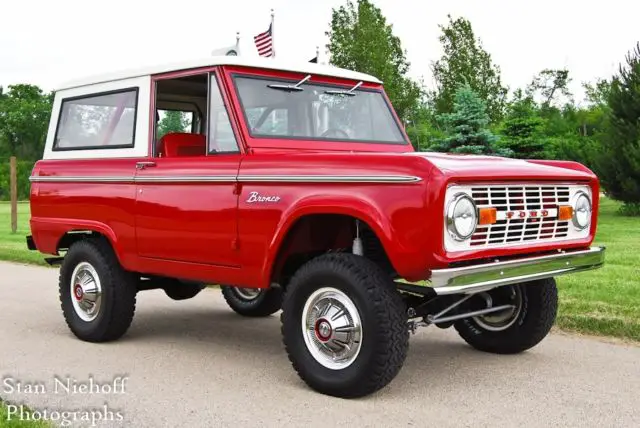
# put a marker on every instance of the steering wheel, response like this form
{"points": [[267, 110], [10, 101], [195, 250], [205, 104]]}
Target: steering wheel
{"points": [[338, 133]]}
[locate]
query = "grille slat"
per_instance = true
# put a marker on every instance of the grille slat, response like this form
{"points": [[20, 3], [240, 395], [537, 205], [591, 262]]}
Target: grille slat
{"points": [[520, 198]]}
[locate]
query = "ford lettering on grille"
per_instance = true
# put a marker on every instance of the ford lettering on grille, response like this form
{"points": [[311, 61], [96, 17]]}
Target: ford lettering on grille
{"points": [[524, 213]]}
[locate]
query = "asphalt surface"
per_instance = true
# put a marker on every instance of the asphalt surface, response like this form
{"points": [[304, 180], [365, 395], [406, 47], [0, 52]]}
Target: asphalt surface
{"points": [[195, 363]]}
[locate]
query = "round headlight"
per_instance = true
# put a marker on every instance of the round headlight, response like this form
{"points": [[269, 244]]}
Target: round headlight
{"points": [[462, 217], [581, 211]]}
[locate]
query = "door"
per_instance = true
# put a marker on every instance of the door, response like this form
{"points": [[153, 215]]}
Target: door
{"points": [[186, 204]]}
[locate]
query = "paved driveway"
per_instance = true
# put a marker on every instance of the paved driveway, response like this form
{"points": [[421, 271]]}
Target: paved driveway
{"points": [[195, 363]]}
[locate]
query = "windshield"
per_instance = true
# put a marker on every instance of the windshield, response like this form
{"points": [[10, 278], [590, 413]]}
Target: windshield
{"points": [[316, 112]]}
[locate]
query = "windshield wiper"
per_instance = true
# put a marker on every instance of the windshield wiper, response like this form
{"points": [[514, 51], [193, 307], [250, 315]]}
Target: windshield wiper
{"points": [[295, 87], [349, 93]]}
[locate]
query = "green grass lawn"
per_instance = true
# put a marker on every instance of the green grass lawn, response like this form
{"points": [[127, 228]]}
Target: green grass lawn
{"points": [[604, 301], [607, 301], [13, 246]]}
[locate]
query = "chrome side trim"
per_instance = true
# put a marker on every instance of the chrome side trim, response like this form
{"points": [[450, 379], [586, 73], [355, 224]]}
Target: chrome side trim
{"points": [[186, 179], [482, 277], [81, 179], [231, 179], [328, 178]]}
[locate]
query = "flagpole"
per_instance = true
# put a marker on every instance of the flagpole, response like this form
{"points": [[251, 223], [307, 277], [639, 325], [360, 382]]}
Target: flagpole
{"points": [[273, 38]]}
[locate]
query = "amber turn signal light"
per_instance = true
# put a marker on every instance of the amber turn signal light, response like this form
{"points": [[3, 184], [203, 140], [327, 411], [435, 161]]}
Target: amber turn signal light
{"points": [[565, 212], [487, 216]]}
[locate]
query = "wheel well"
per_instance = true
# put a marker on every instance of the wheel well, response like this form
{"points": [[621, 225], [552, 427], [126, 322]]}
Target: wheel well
{"points": [[316, 234], [74, 236]]}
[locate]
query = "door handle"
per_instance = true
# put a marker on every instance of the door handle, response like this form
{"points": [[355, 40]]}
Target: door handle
{"points": [[143, 165]]}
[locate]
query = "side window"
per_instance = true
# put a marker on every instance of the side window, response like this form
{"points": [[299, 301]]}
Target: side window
{"points": [[104, 120], [221, 136], [175, 121]]}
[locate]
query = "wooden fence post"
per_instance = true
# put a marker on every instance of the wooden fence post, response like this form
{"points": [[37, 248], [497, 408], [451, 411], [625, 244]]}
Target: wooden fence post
{"points": [[14, 194]]}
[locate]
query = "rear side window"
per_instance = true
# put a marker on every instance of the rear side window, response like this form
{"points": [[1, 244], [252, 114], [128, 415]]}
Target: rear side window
{"points": [[97, 121]]}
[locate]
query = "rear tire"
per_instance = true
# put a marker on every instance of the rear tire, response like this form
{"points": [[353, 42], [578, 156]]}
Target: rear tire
{"points": [[532, 323], [253, 302], [350, 309], [97, 296]]}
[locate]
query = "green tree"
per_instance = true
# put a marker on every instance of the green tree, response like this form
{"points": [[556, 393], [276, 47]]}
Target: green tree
{"points": [[465, 61], [618, 164], [422, 128], [521, 128], [553, 86], [24, 119], [173, 121], [598, 93], [360, 39], [466, 127]]}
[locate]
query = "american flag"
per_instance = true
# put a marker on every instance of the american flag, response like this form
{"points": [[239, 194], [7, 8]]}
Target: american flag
{"points": [[264, 43]]}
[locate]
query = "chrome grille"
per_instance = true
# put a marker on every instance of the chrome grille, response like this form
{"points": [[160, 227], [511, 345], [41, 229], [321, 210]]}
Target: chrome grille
{"points": [[520, 198]]}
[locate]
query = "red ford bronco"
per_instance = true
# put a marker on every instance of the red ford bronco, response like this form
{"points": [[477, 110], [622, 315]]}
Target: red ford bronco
{"points": [[295, 187]]}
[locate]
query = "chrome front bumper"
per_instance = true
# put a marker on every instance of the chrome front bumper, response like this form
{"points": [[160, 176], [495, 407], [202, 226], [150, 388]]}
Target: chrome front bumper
{"points": [[472, 279]]}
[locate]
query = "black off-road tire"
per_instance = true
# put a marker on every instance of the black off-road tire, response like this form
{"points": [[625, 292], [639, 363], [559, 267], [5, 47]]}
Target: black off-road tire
{"points": [[118, 292], [385, 334], [538, 314], [268, 302]]}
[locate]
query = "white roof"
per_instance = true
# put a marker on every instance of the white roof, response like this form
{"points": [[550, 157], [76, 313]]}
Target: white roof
{"points": [[257, 62]]}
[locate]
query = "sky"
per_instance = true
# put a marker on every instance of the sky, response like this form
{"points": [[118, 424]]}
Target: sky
{"points": [[47, 42]]}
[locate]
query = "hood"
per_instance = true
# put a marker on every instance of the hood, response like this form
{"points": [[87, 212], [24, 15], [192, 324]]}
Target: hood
{"points": [[492, 167]]}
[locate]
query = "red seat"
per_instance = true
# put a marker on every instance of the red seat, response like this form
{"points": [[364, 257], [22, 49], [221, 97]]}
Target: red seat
{"points": [[180, 144]]}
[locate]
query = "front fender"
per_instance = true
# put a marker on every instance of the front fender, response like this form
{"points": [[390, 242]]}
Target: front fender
{"points": [[387, 221]]}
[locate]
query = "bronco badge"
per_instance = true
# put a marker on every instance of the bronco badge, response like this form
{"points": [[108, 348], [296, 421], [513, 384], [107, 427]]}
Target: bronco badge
{"points": [[256, 197]]}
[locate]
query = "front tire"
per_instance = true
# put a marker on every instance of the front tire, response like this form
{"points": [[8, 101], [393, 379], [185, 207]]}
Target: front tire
{"points": [[97, 296], [535, 315], [344, 326], [253, 302]]}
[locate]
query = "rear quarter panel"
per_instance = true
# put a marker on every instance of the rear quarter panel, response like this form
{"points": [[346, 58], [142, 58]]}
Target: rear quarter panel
{"points": [[106, 207]]}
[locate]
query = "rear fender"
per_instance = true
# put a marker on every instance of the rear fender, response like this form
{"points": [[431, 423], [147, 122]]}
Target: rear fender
{"points": [[49, 233]]}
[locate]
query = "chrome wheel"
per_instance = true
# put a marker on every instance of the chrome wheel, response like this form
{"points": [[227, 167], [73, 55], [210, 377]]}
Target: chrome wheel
{"points": [[502, 320], [332, 328], [247, 293], [86, 292]]}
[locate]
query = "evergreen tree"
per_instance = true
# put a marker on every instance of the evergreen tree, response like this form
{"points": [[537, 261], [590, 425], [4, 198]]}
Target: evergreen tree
{"points": [[619, 162], [467, 127], [521, 129]]}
